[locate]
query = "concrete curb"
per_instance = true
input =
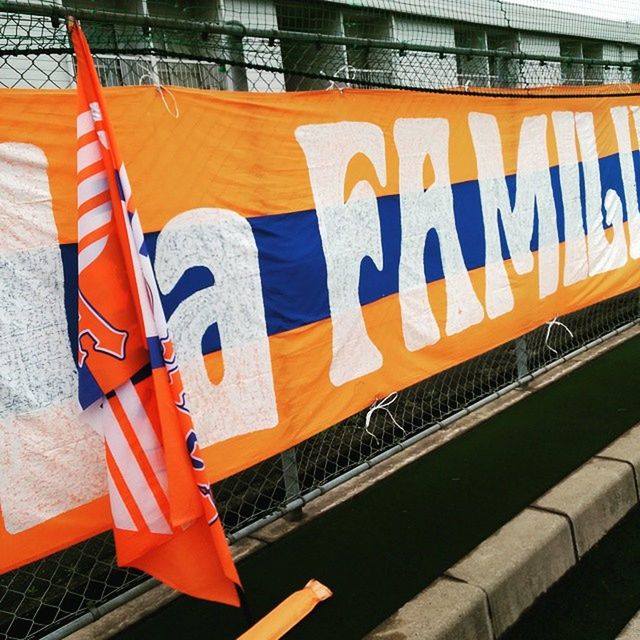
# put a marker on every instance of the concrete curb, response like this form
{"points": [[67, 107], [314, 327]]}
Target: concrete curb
{"points": [[632, 630], [525, 557], [518, 563], [593, 499], [110, 623], [456, 610]]}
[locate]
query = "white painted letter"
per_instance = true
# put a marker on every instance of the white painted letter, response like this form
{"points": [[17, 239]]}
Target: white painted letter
{"points": [[421, 211], [603, 255], [223, 242], [620, 117], [576, 266], [533, 193], [350, 231], [50, 459]]}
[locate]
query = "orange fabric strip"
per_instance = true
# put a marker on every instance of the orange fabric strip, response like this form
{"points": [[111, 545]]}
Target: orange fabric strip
{"points": [[288, 613]]}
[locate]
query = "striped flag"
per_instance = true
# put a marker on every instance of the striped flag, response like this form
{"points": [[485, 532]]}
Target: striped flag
{"points": [[164, 517]]}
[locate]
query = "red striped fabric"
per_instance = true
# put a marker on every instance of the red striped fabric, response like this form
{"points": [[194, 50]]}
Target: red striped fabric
{"points": [[164, 517]]}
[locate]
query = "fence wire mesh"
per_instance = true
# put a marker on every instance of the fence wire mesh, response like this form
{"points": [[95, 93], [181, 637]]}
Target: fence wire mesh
{"points": [[286, 45], [277, 45]]}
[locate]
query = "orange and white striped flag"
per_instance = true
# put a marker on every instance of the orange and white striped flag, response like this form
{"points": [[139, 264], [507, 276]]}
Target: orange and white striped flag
{"points": [[164, 517]]}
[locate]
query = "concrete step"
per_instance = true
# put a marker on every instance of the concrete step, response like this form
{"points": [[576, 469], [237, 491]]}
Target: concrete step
{"points": [[486, 592], [632, 630]]}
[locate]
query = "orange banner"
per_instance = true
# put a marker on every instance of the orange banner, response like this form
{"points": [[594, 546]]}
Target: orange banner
{"points": [[314, 252]]}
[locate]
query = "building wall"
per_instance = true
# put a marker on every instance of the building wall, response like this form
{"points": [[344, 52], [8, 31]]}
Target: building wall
{"points": [[411, 69], [534, 73], [425, 70], [257, 14], [38, 71]]}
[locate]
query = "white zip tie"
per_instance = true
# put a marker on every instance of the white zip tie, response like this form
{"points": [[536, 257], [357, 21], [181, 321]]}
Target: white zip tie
{"points": [[160, 88], [332, 83], [382, 405], [550, 324]]}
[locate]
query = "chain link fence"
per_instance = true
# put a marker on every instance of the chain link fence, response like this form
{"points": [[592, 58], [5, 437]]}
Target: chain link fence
{"points": [[277, 45], [265, 45]]}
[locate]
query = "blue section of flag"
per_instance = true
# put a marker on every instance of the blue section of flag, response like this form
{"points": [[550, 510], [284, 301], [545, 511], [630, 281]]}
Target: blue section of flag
{"points": [[293, 268], [119, 185], [155, 352], [69, 255], [88, 389]]}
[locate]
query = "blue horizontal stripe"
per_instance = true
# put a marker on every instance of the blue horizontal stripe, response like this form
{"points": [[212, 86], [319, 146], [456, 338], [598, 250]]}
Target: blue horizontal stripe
{"points": [[293, 267]]}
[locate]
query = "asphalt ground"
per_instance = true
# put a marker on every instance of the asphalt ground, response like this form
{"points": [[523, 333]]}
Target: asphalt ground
{"points": [[381, 548]]}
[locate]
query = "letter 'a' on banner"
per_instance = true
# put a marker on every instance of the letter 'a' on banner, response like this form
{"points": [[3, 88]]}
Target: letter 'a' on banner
{"points": [[164, 518]]}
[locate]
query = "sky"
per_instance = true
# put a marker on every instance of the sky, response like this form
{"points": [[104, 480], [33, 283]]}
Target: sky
{"points": [[624, 10]]}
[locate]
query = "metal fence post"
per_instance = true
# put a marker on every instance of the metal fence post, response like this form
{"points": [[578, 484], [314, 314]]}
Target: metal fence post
{"points": [[234, 48], [291, 480], [522, 358]]}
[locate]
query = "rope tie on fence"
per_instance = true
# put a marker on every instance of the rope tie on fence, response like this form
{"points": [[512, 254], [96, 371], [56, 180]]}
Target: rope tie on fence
{"points": [[550, 324], [152, 75], [382, 405], [332, 82], [161, 89], [333, 85]]}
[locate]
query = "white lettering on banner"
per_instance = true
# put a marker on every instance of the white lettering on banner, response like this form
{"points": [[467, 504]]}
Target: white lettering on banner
{"points": [[533, 194], [350, 232], [222, 241], [576, 264], [620, 117], [50, 459], [420, 212], [603, 255]]}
